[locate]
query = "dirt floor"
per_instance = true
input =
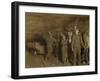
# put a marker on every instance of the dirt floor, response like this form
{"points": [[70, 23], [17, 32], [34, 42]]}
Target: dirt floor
{"points": [[39, 61]]}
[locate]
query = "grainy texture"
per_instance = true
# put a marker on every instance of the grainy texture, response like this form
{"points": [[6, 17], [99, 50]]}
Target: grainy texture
{"points": [[37, 27]]}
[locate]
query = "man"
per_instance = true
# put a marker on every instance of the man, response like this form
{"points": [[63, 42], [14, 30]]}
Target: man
{"points": [[76, 46], [64, 48], [70, 53], [55, 46], [86, 47], [49, 42]]}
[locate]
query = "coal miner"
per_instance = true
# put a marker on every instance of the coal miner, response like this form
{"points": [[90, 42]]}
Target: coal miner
{"points": [[70, 53], [76, 46], [86, 47], [49, 46], [64, 48], [55, 45]]}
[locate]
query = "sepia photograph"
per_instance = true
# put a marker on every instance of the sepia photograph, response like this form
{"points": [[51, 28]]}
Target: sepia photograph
{"points": [[56, 40]]}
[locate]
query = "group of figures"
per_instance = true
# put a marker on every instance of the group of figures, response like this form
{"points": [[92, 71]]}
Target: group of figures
{"points": [[70, 46]]}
